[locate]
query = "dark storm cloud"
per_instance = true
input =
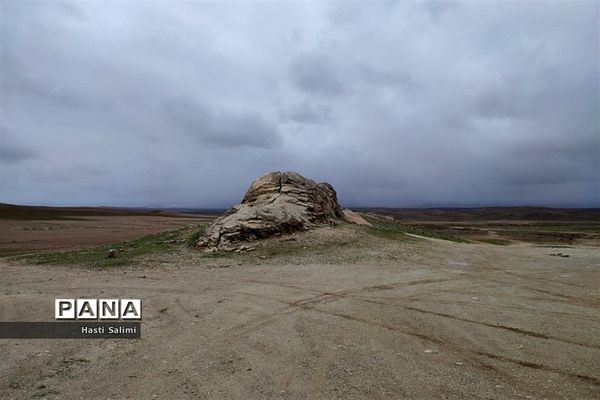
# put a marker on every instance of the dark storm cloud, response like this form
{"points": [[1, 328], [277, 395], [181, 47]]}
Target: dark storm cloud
{"points": [[224, 129], [12, 150], [438, 8], [395, 103], [315, 75], [381, 77], [16, 84], [307, 113]]}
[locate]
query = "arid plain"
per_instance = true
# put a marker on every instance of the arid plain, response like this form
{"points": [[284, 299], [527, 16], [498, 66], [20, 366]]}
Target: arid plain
{"points": [[429, 304]]}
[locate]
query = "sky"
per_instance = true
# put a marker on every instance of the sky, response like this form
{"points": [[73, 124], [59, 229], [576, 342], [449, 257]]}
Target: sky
{"points": [[395, 103]]}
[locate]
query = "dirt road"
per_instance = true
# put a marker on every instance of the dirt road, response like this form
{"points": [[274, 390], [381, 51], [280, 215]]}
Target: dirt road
{"points": [[420, 320]]}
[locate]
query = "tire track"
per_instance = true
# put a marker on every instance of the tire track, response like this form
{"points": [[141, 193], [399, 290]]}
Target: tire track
{"points": [[507, 328], [454, 347]]}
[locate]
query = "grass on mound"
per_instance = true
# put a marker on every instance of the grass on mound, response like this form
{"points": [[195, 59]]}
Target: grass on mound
{"points": [[127, 252]]}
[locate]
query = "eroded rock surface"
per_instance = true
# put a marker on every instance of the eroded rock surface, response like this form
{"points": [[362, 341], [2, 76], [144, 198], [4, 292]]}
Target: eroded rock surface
{"points": [[276, 203], [355, 218]]}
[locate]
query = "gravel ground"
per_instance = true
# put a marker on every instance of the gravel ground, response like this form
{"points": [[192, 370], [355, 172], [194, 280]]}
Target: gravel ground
{"points": [[334, 313]]}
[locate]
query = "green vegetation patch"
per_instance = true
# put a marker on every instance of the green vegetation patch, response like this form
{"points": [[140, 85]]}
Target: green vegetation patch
{"points": [[574, 227], [11, 252], [388, 232], [499, 242], [391, 229], [436, 234], [126, 252], [191, 240], [385, 228]]}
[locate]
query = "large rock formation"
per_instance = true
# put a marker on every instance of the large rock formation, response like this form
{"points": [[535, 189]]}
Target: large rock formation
{"points": [[276, 203]]}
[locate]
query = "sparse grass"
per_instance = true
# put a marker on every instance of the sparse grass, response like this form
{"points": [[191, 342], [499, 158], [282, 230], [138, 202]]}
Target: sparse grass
{"points": [[553, 246], [11, 252], [191, 240], [583, 226], [543, 232], [347, 241], [435, 232], [446, 236], [96, 257], [388, 232], [393, 230], [499, 242], [385, 228], [471, 231], [308, 250]]}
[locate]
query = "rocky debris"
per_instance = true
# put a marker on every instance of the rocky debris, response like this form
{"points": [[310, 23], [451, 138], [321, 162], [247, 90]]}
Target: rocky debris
{"points": [[276, 203], [354, 217]]}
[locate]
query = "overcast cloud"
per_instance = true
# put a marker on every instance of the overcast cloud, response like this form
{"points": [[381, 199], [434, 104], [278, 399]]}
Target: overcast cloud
{"points": [[394, 103]]}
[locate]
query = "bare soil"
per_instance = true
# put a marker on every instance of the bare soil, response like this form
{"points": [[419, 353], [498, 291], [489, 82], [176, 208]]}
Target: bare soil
{"points": [[26, 236], [350, 312]]}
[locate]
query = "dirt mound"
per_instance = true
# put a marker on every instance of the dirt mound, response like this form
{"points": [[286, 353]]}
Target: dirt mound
{"points": [[276, 203]]}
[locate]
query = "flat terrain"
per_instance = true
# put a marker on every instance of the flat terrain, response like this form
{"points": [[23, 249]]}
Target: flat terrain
{"points": [[502, 225], [387, 311], [29, 229]]}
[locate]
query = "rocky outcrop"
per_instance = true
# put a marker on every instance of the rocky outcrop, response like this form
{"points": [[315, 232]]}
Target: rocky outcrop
{"points": [[355, 218], [276, 203]]}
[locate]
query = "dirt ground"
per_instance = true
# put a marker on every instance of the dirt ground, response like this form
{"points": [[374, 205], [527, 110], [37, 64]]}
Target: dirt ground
{"points": [[19, 236], [336, 314]]}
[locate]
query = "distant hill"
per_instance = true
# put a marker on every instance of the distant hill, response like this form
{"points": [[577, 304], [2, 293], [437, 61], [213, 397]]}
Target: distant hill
{"points": [[489, 214]]}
